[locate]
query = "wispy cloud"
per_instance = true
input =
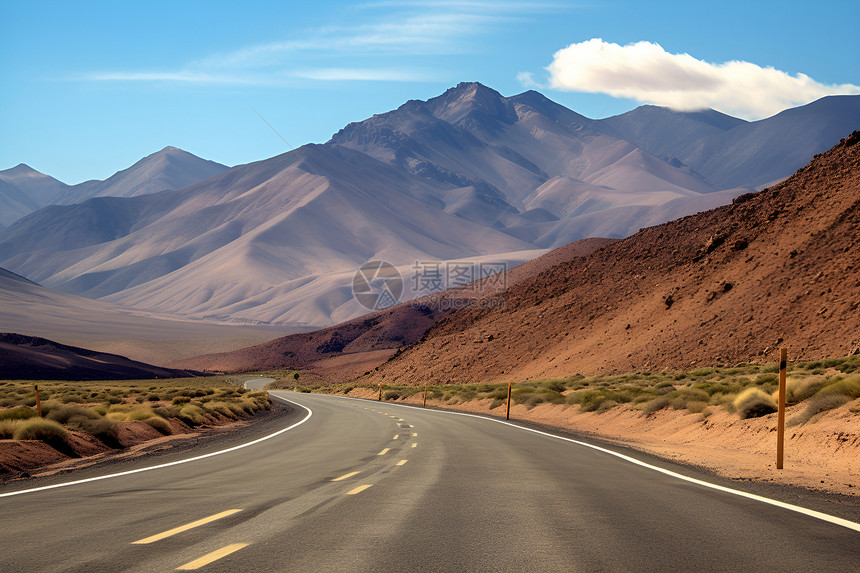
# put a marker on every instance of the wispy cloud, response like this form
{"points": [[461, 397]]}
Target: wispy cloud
{"points": [[362, 74], [179, 76], [378, 32], [645, 72]]}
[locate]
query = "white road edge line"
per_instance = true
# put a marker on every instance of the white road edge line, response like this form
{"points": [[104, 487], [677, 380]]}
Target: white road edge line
{"points": [[176, 463], [796, 508]]}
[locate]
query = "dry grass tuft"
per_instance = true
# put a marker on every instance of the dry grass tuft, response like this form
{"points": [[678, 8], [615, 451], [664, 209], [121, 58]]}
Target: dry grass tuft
{"points": [[39, 429], [754, 402]]}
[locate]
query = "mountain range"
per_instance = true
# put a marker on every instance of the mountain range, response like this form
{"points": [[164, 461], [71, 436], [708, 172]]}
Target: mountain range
{"points": [[468, 175], [731, 285]]}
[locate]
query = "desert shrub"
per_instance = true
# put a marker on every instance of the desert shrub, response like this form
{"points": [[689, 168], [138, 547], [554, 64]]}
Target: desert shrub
{"points": [[39, 429], [19, 413], [557, 386], [166, 411], [140, 413], [817, 404], [160, 424], [533, 400], [391, 395], [180, 400], [153, 397], [7, 428], [696, 406], [552, 396], [107, 431], [849, 387], [606, 404], [656, 404], [702, 372], [664, 387], [117, 416], [65, 412], [496, 403], [222, 408], [191, 414], [754, 402], [797, 390]]}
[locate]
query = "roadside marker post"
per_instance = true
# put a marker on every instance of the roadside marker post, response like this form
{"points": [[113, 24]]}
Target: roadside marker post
{"points": [[425, 396], [508, 412], [780, 416], [380, 394], [38, 402]]}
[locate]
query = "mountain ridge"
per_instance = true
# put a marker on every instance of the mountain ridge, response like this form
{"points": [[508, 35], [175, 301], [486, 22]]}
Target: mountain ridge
{"points": [[468, 174]]}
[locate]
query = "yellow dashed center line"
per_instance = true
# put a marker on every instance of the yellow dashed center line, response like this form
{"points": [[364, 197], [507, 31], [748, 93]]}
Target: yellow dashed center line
{"points": [[383, 452], [359, 489], [186, 527], [414, 434], [414, 445], [210, 557], [395, 436], [346, 476], [411, 426], [401, 462]]}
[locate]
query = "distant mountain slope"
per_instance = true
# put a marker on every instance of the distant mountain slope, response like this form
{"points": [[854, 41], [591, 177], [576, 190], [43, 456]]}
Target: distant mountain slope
{"points": [[729, 152], [24, 190], [170, 168], [731, 285], [32, 358], [667, 133]]}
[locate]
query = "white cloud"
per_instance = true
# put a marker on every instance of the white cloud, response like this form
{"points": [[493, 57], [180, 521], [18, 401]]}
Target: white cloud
{"points": [[644, 71]]}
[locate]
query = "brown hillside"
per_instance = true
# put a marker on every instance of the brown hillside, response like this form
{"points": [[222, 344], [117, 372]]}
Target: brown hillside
{"points": [[776, 268], [358, 345]]}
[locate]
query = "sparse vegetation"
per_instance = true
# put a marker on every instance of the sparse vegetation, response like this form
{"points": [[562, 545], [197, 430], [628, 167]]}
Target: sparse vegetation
{"points": [[747, 390], [98, 408]]}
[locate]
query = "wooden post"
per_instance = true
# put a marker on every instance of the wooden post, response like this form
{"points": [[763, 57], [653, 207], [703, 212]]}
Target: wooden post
{"points": [[425, 396], [508, 412], [780, 416], [380, 393], [38, 402]]}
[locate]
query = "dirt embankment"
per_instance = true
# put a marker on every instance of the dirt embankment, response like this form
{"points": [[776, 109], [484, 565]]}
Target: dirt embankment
{"points": [[822, 454]]}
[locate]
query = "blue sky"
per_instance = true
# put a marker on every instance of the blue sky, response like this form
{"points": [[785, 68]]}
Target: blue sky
{"points": [[91, 87]]}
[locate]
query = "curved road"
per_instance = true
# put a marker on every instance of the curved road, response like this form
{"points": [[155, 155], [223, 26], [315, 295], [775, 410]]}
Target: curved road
{"points": [[367, 486]]}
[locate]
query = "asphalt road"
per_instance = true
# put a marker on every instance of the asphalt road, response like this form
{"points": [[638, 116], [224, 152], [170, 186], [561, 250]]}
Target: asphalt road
{"points": [[367, 486]]}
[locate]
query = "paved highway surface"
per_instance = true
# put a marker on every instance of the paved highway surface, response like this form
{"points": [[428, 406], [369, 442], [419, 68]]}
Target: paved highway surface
{"points": [[366, 486]]}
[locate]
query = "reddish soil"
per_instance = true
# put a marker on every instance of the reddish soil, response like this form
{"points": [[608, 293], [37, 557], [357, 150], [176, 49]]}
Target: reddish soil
{"points": [[779, 268], [361, 344], [32, 358]]}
